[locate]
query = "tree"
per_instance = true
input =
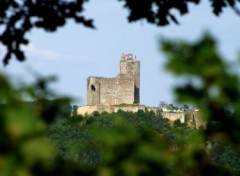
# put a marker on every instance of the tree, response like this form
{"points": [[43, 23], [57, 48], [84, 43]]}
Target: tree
{"points": [[19, 17], [221, 110], [25, 150], [163, 15], [185, 107], [162, 104], [170, 107]]}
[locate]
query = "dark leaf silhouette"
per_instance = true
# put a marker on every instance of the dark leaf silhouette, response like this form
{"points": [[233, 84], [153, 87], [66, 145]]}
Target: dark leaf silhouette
{"points": [[49, 15]]}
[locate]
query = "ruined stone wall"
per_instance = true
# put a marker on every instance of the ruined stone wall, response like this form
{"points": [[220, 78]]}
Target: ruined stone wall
{"points": [[174, 116], [116, 91], [84, 110], [110, 91], [123, 89], [197, 118], [93, 90]]}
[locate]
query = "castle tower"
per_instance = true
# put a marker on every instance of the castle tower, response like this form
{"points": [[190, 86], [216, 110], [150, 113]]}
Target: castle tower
{"points": [[130, 66]]}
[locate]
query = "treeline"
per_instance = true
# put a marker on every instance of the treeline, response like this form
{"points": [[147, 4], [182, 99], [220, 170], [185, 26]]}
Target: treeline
{"points": [[128, 143]]}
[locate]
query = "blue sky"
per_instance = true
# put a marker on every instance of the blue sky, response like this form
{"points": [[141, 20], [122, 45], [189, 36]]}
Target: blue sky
{"points": [[75, 52]]}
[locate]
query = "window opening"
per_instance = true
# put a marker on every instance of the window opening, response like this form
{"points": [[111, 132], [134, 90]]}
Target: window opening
{"points": [[93, 88]]}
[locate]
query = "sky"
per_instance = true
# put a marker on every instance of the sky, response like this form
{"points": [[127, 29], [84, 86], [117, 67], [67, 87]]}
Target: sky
{"points": [[74, 52]]}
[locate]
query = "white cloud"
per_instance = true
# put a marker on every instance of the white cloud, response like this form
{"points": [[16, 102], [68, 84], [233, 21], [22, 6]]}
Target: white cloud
{"points": [[32, 51], [42, 55]]}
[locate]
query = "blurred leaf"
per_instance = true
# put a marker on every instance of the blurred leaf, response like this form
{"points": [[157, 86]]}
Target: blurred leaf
{"points": [[22, 122], [38, 150]]}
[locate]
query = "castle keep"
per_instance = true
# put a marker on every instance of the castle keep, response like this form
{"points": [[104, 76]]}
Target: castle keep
{"points": [[123, 89], [121, 92]]}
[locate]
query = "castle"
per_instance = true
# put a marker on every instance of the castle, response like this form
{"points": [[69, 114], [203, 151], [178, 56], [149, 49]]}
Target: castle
{"points": [[123, 92], [123, 89]]}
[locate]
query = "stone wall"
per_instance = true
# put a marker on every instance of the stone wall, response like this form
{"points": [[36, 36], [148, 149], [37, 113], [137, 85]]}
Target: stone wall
{"points": [[88, 110], [123, 89], [172, 116], [93, 90], [110, 91]]}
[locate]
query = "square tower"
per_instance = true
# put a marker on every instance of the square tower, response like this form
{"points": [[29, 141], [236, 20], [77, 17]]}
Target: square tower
{"points": [[129, 66]]}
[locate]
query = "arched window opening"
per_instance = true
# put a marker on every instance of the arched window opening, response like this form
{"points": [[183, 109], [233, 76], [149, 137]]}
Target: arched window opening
{"points": [[93, 88]]}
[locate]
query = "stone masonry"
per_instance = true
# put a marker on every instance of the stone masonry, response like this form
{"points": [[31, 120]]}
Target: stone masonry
{"points": [[123, 89]]}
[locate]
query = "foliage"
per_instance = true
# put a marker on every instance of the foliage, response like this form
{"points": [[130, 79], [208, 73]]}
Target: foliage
{"points": [[124, 143], [118, 143], [173, 108], [225, 154], [218, 93], [135, 102], [162, 14], [162, 104], [125, 105], [25, 149], [19, 17], [187, 117]]}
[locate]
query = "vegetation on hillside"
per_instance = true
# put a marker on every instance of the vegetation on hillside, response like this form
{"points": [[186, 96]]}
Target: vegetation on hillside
{"points": [[127, 143], [123, 138]]}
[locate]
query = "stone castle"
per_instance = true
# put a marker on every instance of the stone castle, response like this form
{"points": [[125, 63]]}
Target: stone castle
{"points": [[123, 89], [123, 92]]}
